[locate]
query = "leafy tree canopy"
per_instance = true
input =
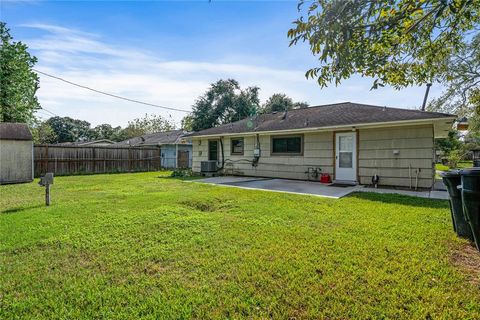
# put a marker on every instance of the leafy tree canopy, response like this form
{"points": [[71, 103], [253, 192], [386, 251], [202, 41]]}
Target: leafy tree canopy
{"points": [[400, 43], [43, 133], [281, 102], [106, 131], [69, 130], [18, 82], [475, 115], [224, 102], [450, 143], [462, 82], [148, 124]]}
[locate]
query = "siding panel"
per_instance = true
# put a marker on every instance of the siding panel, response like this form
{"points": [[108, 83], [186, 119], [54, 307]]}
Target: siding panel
{"points": [[318, 149], [375, 151], [415, 149]]}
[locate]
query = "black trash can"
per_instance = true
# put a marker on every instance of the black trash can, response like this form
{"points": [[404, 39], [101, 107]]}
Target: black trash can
{"points": [[471, 200], [452, 180]]}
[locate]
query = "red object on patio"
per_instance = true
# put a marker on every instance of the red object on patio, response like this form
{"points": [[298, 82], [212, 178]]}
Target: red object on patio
{"points": [[325, 178]]}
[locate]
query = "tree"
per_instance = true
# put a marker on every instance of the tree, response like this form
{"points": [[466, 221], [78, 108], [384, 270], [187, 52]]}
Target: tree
{"points": [[281, 102], [224, 102], [474, 101], [187, 123], [462, 81], [43, 133], [400, 43], [69, 130], [18, 82], [106, 131], [450, 143], [147, 124], [300, 105], [118, 134], [102, 131]]}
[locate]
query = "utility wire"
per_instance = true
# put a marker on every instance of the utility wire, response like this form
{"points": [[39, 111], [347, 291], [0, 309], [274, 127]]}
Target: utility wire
{"points": [[54, 114], [110, 94], [83, 132]]}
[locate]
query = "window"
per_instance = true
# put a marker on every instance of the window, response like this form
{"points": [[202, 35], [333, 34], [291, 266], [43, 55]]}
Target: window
{"points": [[237, 146], [345, 151], [287, 145], [213, 150]]}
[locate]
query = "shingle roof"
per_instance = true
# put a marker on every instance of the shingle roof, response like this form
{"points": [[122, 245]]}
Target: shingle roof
{"points": [[86, 143], [339, 114], [15, 131], [158, 138]]}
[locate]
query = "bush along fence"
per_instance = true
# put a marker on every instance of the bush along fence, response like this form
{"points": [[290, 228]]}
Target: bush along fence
{"points": [[70, 160]]}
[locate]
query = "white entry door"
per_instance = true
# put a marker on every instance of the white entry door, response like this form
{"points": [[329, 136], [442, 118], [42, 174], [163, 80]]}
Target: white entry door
{"points": [[346, 156]]}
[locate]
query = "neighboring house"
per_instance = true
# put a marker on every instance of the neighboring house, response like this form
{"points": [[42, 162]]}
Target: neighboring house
{"points": [[176, 148], [16, 153], [351, 142], [94, 143], [462, 124]]}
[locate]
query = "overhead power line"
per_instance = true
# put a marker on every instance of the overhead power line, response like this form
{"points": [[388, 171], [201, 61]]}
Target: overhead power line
{"points": [[54, 114], [110, 94]]}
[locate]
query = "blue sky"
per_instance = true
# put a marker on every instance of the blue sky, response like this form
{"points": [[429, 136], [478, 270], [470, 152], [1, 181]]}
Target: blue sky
{"points": [[168, 53]]}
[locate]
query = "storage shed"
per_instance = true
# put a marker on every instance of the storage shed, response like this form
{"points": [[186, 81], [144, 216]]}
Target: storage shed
{"points": [[16, 153]]}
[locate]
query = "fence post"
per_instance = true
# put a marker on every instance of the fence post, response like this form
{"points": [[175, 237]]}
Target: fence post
{"points": [[159, 158], [129, 159], [46, 158], [94, 160]]}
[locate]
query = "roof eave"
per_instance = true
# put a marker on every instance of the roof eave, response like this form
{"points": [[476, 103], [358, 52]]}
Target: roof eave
{"points": [[337, 127]]}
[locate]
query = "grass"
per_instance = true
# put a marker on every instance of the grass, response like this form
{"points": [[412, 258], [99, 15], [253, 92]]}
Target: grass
{"points": [[461, 165], [132, 246]]}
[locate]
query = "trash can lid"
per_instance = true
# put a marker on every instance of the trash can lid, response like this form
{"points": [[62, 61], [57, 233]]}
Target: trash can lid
{"points": [[450, 174], [470, 172]]}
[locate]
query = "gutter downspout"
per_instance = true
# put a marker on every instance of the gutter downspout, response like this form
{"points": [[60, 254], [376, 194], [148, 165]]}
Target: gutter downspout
{"points": [[223, 156], [176, 156]]}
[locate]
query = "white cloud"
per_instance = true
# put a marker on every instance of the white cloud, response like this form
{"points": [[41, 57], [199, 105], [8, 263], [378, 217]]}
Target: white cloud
{"points": [[87, 59]]}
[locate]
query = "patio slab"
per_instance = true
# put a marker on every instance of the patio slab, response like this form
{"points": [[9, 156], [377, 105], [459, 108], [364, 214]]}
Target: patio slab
{"points": [[309, 187], [282, 185], [442, 195]]}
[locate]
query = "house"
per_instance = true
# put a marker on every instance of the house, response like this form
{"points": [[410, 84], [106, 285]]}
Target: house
{"points": [[349, 141], [16, 153], [462, 124], [176, 148]]}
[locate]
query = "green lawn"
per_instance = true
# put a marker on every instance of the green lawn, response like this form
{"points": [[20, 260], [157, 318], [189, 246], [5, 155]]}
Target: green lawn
{"points": [[131, 246], [461, 165]]}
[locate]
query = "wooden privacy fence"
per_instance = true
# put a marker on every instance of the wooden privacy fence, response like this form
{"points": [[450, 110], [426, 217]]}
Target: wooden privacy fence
{"points": [[69, 160]]}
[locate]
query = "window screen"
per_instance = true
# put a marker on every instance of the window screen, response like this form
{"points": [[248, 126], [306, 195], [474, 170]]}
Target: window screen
{"points": [[237, 146], [289, 145], [213, 150], [345, 152]]}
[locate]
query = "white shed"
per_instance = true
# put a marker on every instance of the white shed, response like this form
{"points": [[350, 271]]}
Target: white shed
{"points": [[16, 153]]}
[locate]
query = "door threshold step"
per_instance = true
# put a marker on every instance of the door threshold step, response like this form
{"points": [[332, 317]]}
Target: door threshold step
{"points": [[345, 182]]}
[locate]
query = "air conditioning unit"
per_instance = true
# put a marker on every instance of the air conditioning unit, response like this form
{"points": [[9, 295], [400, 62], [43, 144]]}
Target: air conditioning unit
{"points": [[208, 166]]}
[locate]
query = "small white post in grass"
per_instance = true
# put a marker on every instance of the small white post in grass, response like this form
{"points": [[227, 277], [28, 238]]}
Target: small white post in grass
{"points": [[46, 181]]}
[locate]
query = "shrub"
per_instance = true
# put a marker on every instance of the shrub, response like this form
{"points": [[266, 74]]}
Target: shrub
{"points": [[180, 173], [454, 158]]}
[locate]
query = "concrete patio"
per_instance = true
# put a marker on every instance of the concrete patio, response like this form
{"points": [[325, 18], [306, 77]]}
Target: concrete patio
{"points": [[309, 187]]}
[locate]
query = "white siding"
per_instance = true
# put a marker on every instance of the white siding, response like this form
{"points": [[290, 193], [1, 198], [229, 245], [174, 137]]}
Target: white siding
{"points": [[318, 150], [375, 156], [415, 150]]}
